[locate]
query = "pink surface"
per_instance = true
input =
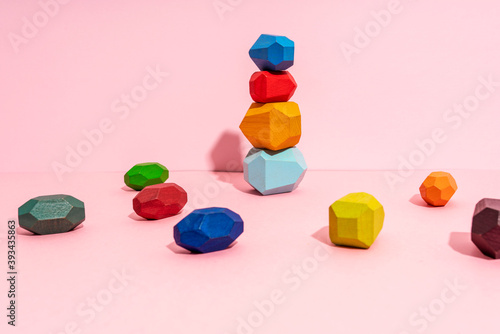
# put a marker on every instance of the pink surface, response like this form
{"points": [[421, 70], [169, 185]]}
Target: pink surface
{"points": [[284, 254], [363, 108]]}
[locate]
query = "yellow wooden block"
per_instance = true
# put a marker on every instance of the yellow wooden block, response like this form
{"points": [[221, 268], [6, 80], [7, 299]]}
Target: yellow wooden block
{"points": [[356, 220], [273, 126]]}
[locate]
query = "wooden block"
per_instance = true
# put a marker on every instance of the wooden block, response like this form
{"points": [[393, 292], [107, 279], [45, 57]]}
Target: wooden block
{"points": [[51, 214], [272, 53], [160, 201], [145, 174], [268, 86], [273, 126], [356, 220], [438, 188], [486, 227], [274, 172], [208, 230]]}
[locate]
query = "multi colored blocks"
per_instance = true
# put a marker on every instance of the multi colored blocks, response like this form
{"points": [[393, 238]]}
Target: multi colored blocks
{"points": [[273, 124]]}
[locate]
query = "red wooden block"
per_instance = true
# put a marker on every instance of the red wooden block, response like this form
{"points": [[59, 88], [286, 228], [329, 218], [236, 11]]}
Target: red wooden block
{"points": [[268, 86], [160, 201]]}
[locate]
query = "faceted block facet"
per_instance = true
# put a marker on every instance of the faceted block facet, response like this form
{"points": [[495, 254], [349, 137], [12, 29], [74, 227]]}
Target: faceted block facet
{"points": [[208, 230], [438, 188], [268, 86], [356, 220], [51, 214], [273, 126], [274, 172], [272, 53], [145, 174], [486, 227], [160, 201]]}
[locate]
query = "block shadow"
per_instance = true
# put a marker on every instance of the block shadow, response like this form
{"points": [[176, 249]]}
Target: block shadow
{"points": [[417, 200], [240, 184], [227, 155], [179, 250], [461, 242], [22, 231], [136, 217], [323, 236]]}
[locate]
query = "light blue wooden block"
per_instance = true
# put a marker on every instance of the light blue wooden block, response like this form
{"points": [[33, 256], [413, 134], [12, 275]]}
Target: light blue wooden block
{"points": [[274, 172]]}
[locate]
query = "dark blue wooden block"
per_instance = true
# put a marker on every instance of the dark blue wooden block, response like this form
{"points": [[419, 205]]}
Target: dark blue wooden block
{"points": [[208, 230]]}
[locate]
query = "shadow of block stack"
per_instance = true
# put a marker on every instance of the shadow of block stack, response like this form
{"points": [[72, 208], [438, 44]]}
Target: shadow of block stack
{"points": [[273, 124]]}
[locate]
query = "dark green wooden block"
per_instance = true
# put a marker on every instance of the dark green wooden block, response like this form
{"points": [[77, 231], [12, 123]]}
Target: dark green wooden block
{"points": [[51, 214]]}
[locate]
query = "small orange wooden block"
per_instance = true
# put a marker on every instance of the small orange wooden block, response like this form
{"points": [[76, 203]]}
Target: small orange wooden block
{"points": [[273, 126], [438, 188]]}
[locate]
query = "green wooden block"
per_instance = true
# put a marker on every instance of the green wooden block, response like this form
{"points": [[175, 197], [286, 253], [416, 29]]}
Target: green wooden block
{"points": [[145, 174], [51, 214]]}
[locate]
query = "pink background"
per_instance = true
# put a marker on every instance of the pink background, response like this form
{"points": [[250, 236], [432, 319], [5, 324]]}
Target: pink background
{"points": [[364, 115], [419, 251]]}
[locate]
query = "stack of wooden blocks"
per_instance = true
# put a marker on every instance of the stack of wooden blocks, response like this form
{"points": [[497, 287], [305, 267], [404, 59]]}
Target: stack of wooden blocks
{"points": [[273, 124]]}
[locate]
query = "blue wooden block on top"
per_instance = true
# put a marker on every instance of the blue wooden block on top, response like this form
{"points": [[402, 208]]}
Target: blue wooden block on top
{"points": [[208, 230], [272, 53], [274, 172]]}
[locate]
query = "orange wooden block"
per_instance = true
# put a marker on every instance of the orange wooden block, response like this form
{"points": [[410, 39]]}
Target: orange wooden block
{"points": [[438, 188], [273, 126]]}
